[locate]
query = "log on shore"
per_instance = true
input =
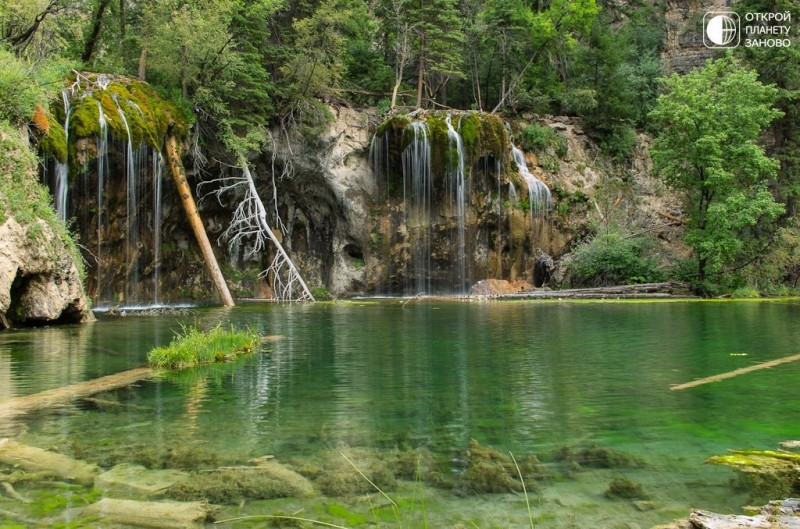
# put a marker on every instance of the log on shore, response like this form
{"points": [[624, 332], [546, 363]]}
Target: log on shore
{"points": [[157, 515], [34, 459], [670, 289], [58, 396]]}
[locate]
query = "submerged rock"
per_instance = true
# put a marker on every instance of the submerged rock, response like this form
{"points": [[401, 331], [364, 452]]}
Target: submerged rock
{"points": [[231, 485], [626, 489], [134, 481]]}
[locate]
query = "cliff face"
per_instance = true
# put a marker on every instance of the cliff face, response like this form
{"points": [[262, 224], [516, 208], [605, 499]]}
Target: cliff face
{"points": [[683, 33], [353, 229], [39, 282], [39, 279]]}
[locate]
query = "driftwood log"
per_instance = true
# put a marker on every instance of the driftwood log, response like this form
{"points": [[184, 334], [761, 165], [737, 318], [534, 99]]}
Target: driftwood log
{"points": [[670, 289], [55, 397], [34, 459], [158, 515]]}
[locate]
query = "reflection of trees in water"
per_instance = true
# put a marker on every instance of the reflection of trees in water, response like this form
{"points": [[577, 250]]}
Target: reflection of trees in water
{"points": [[33, 360]]}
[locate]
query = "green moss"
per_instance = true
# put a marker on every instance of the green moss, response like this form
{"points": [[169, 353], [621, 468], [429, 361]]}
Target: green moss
{"points": [[625, 488], [55, 142], [24, 198], [149, 118]]}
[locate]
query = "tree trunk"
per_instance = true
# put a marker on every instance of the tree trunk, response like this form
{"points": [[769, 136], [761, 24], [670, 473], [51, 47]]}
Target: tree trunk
{"points": [[178, 173], [143, 65], [91, 42]]}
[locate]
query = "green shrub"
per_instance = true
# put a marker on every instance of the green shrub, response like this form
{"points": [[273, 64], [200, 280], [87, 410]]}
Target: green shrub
{"points": [[617, 141], [612, 259], [191, 347], [541, 137]]}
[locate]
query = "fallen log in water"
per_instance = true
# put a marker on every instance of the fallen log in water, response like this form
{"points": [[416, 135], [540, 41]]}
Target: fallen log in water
{"points": [[55, 397], [669, 289], [34, 459], [158, 515], [736, 372]]}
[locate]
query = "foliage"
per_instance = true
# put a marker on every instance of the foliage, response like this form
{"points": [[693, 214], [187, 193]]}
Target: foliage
{"points": [[613, 259], [21, 195], [709, 152], [25, 85], [614, 77], [541, 137], [191, 347]]}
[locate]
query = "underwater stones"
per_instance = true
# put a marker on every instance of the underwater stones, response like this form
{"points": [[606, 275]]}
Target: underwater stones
{"points": [[34, 459], [339, 477], [597, 457], [157, 515], [765, 474], [137, 481], [231, 485], [624, 488], [490, 471]]}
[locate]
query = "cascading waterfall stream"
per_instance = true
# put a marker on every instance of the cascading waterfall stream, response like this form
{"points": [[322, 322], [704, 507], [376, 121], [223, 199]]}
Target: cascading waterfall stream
{"points": [[117, 187], [158, 174], [62, 169], [417, 183], [539, 197], [458, 198]]}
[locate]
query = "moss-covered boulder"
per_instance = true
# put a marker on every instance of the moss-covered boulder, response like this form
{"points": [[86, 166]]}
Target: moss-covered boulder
{"points": [[130, 108], [766, 474]]}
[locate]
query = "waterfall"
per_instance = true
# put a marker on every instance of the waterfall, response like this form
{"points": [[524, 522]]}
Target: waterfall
{"points": [[458, 198], [102, 165], [417, 183], [158, 172], [132, 246], [62, 169], [115, 194], [512, 194], [539, 197]]}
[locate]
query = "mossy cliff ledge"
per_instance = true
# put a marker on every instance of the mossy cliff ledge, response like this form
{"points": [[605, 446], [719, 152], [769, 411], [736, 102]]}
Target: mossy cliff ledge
{"points": [[40, 274]]}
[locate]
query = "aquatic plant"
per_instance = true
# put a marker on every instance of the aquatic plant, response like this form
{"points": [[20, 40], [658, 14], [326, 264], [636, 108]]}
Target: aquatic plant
{"points": [[191, 347], [625, 488]]}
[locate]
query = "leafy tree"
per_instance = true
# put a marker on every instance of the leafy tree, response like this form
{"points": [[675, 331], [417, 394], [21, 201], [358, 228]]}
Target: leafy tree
{"points": [[438, 45], [709, 151]]}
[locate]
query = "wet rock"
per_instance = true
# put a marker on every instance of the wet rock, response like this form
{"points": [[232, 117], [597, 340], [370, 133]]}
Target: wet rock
{"points": [[496, 287], [39, 282]]}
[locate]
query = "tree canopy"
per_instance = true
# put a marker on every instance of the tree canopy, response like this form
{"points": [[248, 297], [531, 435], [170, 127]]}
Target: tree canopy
{"points": [[709, 150]]}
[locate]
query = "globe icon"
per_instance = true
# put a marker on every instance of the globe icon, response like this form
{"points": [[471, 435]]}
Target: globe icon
{"points": [[721, 30]]}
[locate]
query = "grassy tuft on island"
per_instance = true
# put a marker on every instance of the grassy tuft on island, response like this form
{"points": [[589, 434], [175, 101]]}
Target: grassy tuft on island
{"points": [[191, 347]]}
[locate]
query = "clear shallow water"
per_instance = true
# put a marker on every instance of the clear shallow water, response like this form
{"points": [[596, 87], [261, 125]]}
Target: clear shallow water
{"points": [[522, 377]]}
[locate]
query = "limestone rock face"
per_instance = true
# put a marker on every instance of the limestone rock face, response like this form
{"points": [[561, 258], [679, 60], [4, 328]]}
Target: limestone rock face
{"points": [[39, 282]]}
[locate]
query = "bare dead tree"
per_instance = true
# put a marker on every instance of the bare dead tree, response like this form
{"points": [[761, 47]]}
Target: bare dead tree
{"points": [[249, 224]]}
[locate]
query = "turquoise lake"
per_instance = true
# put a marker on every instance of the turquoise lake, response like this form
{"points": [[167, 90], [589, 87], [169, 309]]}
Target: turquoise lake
{"points": [[378, 376]]}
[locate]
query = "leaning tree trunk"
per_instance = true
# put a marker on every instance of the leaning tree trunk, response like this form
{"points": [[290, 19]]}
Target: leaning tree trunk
{"points": [[178, 173]]}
